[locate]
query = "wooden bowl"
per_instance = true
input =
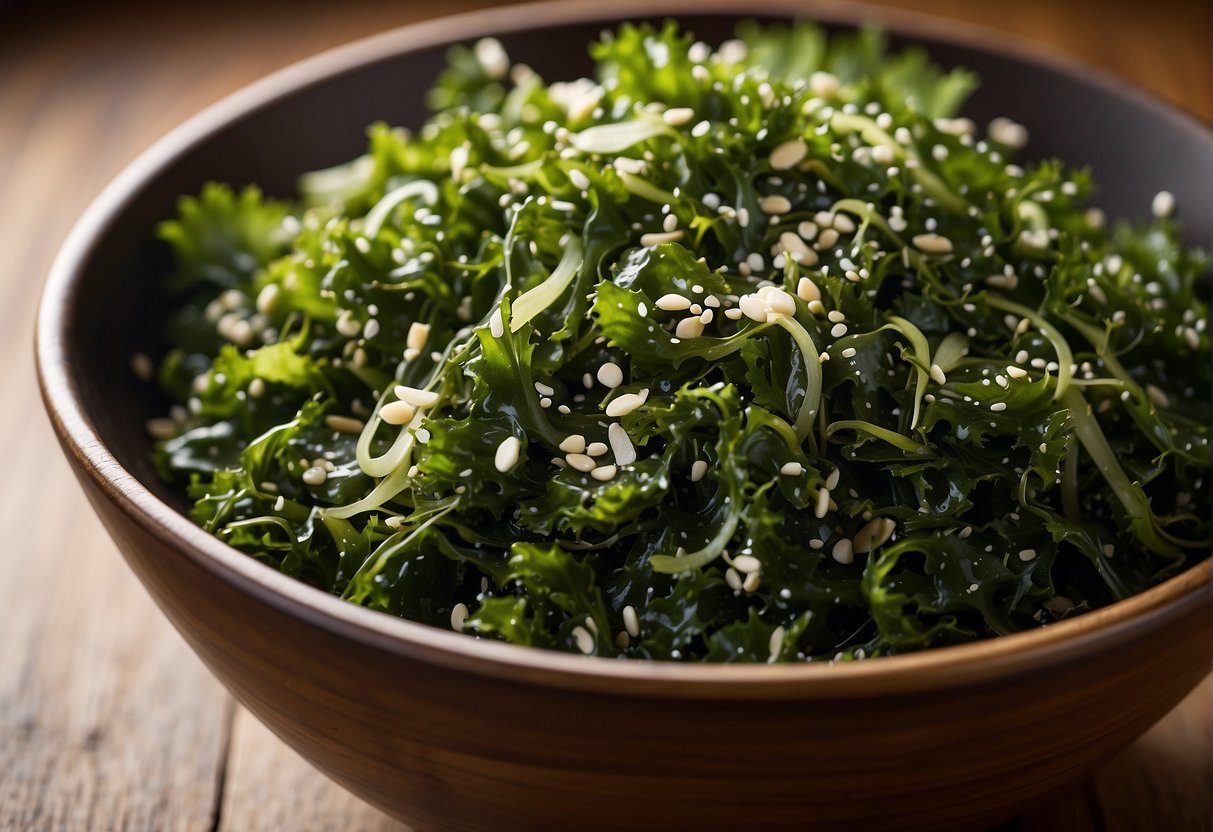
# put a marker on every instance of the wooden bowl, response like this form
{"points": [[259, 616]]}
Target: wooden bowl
{"points": [[447, 732]]}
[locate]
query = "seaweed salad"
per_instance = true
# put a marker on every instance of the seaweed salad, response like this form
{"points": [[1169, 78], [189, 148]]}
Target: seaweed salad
{"points": [[759, 352]]}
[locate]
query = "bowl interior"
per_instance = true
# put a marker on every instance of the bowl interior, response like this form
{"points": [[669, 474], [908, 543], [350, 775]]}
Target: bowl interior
{"points": [[302, 121]]}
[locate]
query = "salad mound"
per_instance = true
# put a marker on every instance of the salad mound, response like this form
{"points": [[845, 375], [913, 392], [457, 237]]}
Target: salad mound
{"points": [[757, 353]]}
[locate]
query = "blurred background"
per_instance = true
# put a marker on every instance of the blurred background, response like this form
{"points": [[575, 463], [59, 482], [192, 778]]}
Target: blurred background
{"points": [[107, 721]]}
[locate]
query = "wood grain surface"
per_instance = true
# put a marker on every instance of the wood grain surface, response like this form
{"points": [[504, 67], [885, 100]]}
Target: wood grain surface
{"points": [[107, 721]]}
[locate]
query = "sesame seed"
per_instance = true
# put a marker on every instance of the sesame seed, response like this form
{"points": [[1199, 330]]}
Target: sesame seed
{"points": [[775, 204], [347, 325], [625, 404], [843, 551], [596, 448], [573, 444], [698, 469], [1109, 550], [998, 407], [267, 298], [581, 462], [496, 325], [747, 564], [792, 469], [579, 180], [734, 314], [807, 290], [833, 478], [673, 303], [1163, 204], [415, 397], [344, 424], [733, 578], [752, 582], [1027, 554], [827, 238], [604, 473], [397, 413], [789, 154], [507, 454], [621, 444], [371, 329], [849, 352], [838, 330], [585, 641], [932, 243], [689, 328], [775, 645], [1157, 396], [794, 247], [631, 623], [316, 475], [823, 503], [1007, 132], [610, 375], [835, 316], [459, 616], [678, 116], [657, 238], [937, 374]]}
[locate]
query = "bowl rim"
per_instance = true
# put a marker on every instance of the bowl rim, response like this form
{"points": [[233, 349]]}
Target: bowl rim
{"points": [[967, 664]]}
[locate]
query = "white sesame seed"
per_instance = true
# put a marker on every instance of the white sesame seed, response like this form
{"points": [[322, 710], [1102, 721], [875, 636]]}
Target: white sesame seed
{"points": [[585, 641], [775, 204], [1163, 204], [833, 478], [573, 444], [1109, 550], [775, 645], [397, 413], [747, 564], [579, 180], [459, 617], [344, 424], [496, 325], [415, 397], [621, 444], [315, 475], [807, 290], [1007, 132], [581, 462], [932, 243], [843, 551], [507, 454], [1027, 554], [610, 375], [657, 238], [752, 582], [1191, 338], [823, 503], [673, 303], [849, 352], [596, 448], [1157, 396], [998, 407], [794, 247], [836, 316], [874, 534], [734, 314], [267, 298], [838, 330], [371, 329], [625, 404], [347, 325], [698, 469], [604, 473], [631, 623], [678, 116], [689, 328], [937, 374], [789, 154], [792, 469], [418, 334], [544, 389]]}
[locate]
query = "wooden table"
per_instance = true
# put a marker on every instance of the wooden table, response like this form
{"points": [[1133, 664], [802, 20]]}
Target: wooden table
{"points": [[107, 721]]}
